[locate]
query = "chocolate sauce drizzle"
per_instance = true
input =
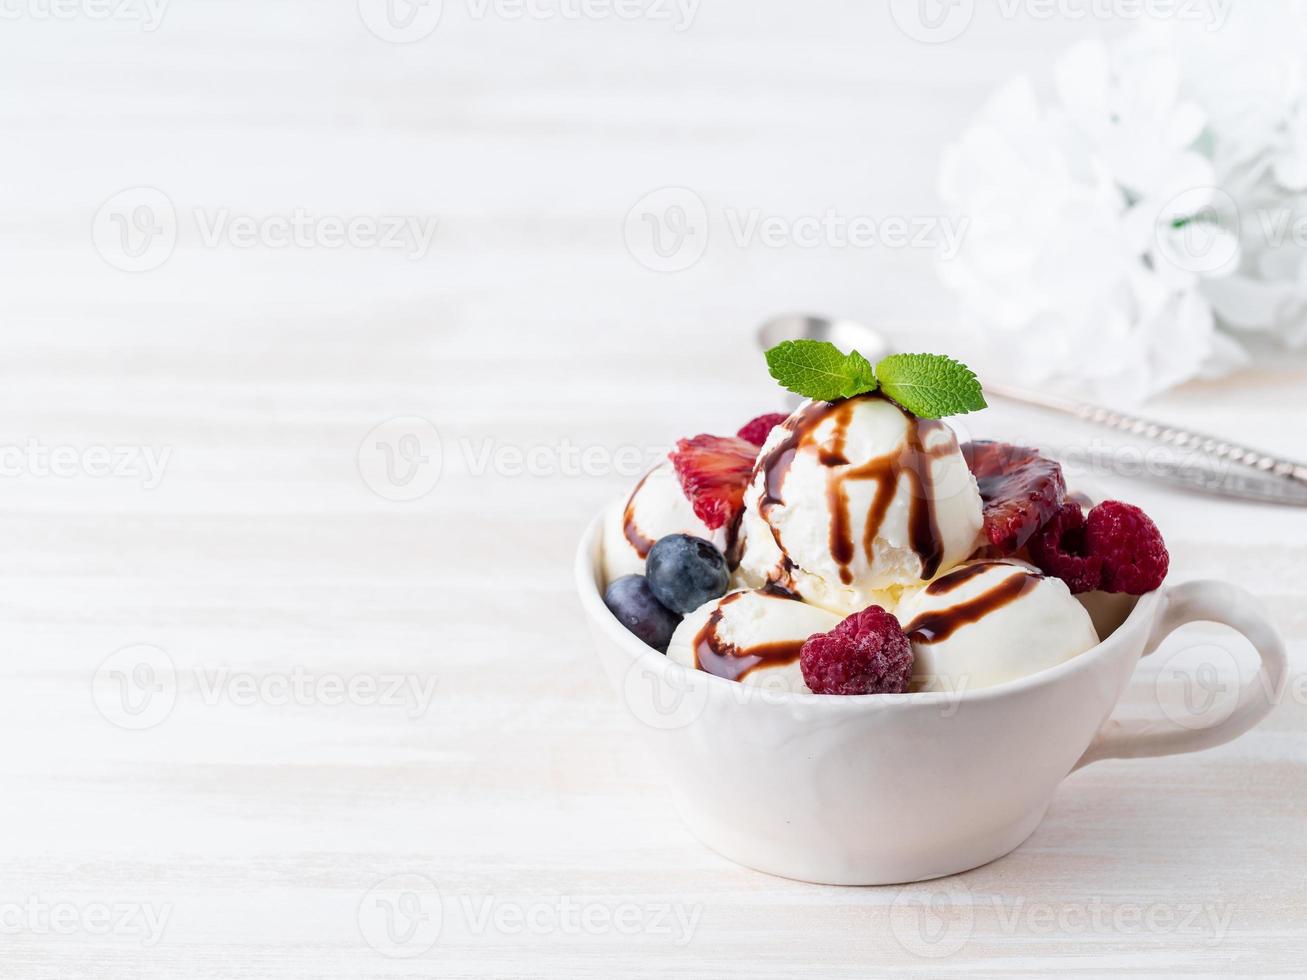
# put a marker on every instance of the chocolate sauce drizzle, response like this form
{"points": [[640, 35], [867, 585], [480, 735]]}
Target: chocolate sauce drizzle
{"points": [[634, 536], [642, 544], [912, 462], [715, 656], [932, 627], [947, 583]]}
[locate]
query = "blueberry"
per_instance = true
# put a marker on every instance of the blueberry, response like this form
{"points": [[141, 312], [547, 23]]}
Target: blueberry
{"points": [[684, 572], [631, 601]]}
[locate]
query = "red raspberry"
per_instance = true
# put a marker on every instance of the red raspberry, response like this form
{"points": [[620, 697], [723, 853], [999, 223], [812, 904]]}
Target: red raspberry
{"points": [[1059, 549], [868, 653], [1135, 559], [757, 430], [1116, 549]]}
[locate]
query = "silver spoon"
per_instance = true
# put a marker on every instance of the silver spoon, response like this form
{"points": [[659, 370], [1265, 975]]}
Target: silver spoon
{"points": [[1223, 467]]}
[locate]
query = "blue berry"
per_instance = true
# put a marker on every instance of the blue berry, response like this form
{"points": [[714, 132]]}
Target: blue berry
{"points": [[684, 572], [631, 601]]}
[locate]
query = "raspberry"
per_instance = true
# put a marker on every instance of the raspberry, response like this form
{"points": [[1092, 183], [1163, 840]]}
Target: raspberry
{"points": [[1021, 491], [714, 472], [757, 430], [1059, 549], [1135, 559], [868, 653], [1116, 549]]}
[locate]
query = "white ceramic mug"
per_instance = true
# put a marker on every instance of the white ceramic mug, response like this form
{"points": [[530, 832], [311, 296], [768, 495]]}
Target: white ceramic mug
{"points": [[880, 789]]}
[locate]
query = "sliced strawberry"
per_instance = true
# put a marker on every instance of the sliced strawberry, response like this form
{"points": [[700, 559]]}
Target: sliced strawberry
{"points": [[714, 471], [757, 430], [1021, 490]]}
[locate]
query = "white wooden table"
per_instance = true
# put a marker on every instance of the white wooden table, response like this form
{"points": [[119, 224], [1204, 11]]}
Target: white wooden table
{"points": [[328, 698]]}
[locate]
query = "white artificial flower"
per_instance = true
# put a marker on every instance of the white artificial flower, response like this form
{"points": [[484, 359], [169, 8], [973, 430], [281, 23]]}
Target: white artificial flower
{"points": [[1080, 268], [1249, 76], [1251, 79]]}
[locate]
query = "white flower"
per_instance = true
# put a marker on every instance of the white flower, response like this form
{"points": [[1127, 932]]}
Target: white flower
{"points": [[1251, 78], [1079, 268]]}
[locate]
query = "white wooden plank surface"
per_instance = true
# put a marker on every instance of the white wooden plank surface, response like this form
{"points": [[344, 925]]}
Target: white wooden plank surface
{"points": [[242, 840]]}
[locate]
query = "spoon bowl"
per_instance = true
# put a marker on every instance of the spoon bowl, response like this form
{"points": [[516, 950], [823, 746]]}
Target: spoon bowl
{"points": [[844, 334]]}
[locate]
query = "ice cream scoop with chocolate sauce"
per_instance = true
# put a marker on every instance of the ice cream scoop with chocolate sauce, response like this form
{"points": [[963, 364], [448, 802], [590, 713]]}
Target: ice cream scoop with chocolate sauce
{"points": [[656, 508], [753, 637], [990, 621], [853, 501]]}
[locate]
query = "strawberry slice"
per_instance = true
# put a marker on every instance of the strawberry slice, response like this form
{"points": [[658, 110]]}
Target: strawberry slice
{"points": [[1021, 490], [757, 430], [714, 472]]}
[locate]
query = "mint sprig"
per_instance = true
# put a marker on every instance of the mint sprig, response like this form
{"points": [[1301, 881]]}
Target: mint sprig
{"points": [[930, 386], [819, 370]]}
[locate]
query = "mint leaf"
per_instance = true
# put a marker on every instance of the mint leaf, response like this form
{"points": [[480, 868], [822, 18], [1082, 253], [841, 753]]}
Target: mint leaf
{"points": [[819, 370], [930, 385], [863, 374]]}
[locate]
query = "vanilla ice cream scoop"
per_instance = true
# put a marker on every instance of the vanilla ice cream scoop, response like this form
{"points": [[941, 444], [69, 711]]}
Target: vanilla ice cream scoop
{"points": [[986, 622], [856, 499], [656, 508], [753, 637]]}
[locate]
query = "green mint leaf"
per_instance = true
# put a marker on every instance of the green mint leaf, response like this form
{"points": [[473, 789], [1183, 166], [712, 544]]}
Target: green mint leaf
{"points": [[819, 370], [862, 376], [930, 385]]}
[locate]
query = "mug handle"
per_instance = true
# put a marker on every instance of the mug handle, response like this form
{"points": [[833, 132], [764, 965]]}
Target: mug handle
{"points": [[1202, 602]]}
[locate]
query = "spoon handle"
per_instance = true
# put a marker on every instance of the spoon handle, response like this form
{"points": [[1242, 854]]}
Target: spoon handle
{"points": [[1279, 478], [1223, 468]]}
